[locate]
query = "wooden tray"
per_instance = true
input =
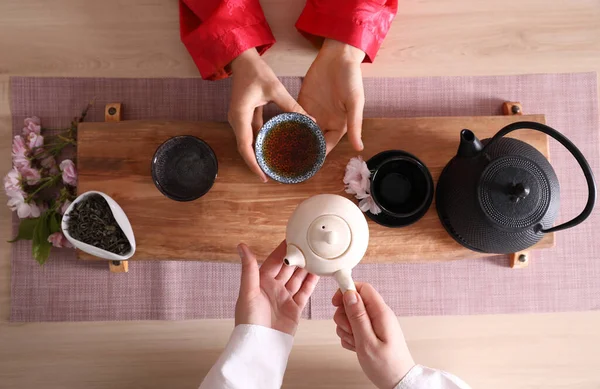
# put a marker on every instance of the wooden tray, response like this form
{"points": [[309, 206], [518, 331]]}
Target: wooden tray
{"points": [[115, 158]]}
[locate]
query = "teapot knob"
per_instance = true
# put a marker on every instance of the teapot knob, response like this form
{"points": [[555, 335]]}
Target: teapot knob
{"points": [[330, 237], [519, 192]]}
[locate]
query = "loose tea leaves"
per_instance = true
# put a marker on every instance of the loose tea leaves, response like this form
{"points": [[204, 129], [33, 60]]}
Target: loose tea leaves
{"points": [[91, 221]]}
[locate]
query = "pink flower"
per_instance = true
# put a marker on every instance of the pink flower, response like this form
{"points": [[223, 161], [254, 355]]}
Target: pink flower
{"points": [[49, 163], [357, 180], [16, 202], [19, 153], [12, 181], [18, 146], [32, 125], [357, 177], [356, 188], [59, 240], [64, 207], [69, 173], [368, 204], [21, 162], [30, 175], [34, 140]]}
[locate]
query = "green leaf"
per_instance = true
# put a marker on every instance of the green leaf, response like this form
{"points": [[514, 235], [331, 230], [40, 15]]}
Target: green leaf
{"points": [[40, 245], [54, 222], [25, 229]]}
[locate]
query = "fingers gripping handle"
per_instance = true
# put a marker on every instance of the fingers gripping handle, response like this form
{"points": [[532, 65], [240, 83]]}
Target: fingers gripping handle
{"points": [[344, 280]]}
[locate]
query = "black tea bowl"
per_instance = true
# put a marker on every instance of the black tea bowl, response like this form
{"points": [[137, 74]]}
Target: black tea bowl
{"points": [[184, 168], [402, 186]]}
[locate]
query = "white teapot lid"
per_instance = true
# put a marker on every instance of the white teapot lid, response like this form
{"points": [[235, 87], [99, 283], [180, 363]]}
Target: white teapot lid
{"points": [[329, 236]]}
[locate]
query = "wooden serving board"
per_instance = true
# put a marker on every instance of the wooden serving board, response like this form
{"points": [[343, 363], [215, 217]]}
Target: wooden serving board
{"points": [[115, 158]]}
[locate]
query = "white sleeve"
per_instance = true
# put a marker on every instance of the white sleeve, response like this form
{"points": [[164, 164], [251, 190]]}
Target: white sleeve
{"points": [[421, 377], [255, 357]]}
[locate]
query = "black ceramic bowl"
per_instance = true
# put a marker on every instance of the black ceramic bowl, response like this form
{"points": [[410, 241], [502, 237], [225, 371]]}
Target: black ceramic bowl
{"points": [[184, 168], [290, 148], [402, 186]]}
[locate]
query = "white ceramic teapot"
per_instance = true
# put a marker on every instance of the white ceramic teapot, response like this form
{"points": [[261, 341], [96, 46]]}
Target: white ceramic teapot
{"points": [[327, 235]]}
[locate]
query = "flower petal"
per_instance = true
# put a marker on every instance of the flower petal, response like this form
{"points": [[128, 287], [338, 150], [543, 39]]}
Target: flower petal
{"points": [[357, 177], [368, 204], [23, 210], [35, 210]]}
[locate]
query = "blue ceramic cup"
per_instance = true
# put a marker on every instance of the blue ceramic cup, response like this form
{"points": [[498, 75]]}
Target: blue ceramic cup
{"points": [[290, 148]]}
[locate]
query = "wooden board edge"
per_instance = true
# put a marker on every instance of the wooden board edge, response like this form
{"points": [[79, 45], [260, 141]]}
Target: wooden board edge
{"points": [[539, 117], [118, 266]]}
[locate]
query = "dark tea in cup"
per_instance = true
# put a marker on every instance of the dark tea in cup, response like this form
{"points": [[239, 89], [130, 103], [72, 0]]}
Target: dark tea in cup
{"points": [[290, 148], [184, 168], [402, 186]]}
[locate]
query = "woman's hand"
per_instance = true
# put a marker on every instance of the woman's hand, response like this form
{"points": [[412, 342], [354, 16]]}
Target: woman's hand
{"points": [[274, 295], [332, 92], [366, 325], [254, 85]]}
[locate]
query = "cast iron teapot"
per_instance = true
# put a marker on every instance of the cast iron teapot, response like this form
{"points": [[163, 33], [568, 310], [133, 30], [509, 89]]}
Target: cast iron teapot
{"points": [[501, 195]]}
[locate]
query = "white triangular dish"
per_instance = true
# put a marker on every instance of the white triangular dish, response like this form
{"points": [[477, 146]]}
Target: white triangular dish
{"points": [[119, 216]]}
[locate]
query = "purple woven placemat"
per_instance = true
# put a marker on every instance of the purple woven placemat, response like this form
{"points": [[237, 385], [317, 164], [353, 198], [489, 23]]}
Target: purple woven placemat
{"points": [[560, 279]]}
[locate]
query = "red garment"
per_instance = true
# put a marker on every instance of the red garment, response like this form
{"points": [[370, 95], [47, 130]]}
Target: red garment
{"points": [[217, 31]]}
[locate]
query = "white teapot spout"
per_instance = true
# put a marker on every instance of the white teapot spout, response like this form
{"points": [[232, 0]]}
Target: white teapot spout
{"points": [[294, 256]]}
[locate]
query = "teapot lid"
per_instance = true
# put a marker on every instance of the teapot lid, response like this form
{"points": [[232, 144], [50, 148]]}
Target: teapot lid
{"points": [[514, 192], [329, 236]]}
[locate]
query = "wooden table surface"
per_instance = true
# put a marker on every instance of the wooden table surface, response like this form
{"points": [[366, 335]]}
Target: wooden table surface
{"points": [[186, 230], [139, 38]]}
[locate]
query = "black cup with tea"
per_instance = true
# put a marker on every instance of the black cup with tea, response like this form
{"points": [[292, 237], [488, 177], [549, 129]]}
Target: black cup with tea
{"points": [[402, 186], [184, 168]]}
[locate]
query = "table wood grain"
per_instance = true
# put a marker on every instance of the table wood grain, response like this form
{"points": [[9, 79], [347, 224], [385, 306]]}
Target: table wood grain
{"points": [[239, 208], [139, 38]]}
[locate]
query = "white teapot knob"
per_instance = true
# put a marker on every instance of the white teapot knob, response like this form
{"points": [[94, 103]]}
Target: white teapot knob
{"points": [[329, 236]]}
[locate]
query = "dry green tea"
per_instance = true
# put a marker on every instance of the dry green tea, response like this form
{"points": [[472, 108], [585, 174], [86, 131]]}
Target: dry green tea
{"points": [[91, 221]]}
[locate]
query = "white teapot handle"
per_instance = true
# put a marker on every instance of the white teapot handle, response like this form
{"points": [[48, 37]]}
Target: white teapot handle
{"points": [[344, 279]]}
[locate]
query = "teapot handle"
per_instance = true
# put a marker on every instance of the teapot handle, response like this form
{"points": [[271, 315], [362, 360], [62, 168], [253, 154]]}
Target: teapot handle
{"points": [[344, 280], [587, 171]]}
